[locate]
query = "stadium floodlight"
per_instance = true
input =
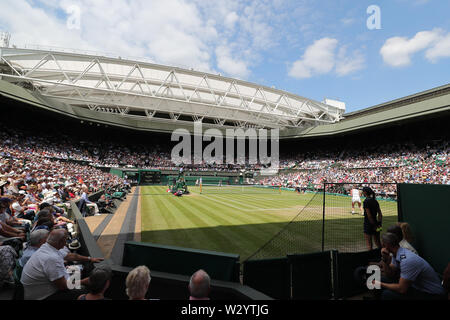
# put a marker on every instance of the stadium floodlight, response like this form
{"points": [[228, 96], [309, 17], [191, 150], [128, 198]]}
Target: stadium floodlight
{"points": [[171, 95]]}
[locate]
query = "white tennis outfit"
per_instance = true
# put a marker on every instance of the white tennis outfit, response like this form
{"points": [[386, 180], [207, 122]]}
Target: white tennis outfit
{"points": [[355, 196]]}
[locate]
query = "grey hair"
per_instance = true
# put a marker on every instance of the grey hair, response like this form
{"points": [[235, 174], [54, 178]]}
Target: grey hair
{"points": [[199, 284], [390, 238], [37, 236], [137, 282]]}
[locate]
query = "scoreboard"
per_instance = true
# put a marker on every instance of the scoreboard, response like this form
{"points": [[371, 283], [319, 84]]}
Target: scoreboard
{"points": [[149, 177]]}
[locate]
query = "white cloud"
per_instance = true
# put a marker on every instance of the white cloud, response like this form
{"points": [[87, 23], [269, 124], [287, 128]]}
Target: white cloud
{"points": [[321, 58], [173, 32], [440, 50], [232, 66], [348, 21], [348, 64], [231, 19], [398, 51], [133, 29]]}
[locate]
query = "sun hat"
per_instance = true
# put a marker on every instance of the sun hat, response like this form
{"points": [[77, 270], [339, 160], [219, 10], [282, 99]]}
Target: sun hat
{"points": [[75, 244]]}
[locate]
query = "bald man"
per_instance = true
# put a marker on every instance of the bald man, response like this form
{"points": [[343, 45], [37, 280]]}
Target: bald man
{"points": [[199, 286], [45, 276]]}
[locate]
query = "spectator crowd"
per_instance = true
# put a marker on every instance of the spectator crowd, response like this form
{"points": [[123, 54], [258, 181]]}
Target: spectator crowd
{"points": [[40, 174], [429, 164]]}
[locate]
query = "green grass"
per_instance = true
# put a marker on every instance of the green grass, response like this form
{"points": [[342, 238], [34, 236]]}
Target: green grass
{"points": [[236, 222]]}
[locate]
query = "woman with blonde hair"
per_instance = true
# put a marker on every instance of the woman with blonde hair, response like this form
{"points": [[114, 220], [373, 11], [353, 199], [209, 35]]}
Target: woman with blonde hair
{"points": [[407, 237], [137, 283], [407, 233]]}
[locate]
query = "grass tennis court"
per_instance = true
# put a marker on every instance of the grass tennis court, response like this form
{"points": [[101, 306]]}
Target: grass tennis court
{"points": [[242, 220]]}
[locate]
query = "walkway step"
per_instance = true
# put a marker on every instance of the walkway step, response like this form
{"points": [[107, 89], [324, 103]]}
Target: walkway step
{"points": [[110, 234]]}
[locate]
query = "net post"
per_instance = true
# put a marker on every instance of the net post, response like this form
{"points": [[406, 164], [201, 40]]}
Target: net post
{"points": [[323, 218]]}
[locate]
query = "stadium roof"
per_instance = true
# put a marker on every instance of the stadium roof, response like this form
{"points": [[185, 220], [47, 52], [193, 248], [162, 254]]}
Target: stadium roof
{"points": [[62, 98], [171, 96], [435, 101]]}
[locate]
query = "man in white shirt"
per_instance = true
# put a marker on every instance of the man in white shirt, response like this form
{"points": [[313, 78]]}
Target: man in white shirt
{"points": [[89, 203], [44, 275]]}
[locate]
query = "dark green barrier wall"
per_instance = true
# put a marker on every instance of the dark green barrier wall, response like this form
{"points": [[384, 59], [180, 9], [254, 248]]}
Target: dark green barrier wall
{"points": [[270, 276], [311, 276], [345, 283], [220, 266], [426, 209]]}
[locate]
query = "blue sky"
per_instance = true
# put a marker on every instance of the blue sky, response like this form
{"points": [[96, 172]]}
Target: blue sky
{"points": [[315, 49]]}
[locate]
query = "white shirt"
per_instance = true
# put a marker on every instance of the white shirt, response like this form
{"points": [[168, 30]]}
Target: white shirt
{"points": [[64, 251], [45, 266], [355, 193], [85, 197]]}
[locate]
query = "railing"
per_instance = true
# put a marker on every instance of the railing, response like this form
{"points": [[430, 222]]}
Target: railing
{"points": [[95, 53]]}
